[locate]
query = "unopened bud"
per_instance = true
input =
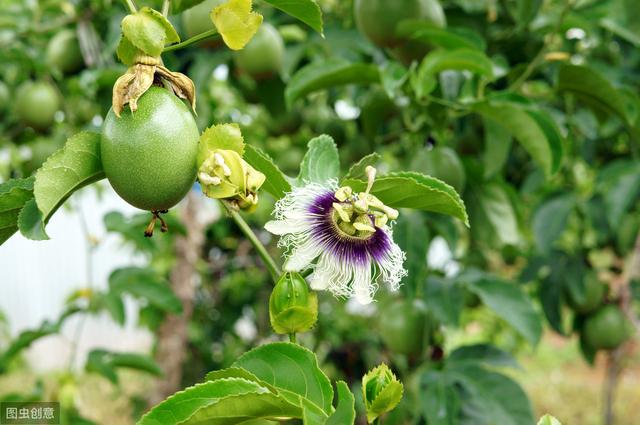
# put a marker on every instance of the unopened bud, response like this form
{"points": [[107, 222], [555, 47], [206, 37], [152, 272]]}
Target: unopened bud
{"points": [[381, 391], [293, 307]]}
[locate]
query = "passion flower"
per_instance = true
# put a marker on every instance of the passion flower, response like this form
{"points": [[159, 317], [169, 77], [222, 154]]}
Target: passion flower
{"points": [[344, 236]]}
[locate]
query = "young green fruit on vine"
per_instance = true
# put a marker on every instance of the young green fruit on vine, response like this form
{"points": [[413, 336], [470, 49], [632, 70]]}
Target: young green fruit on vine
{"points": [[590, 298], [149, 156], [63, 52], [606, 328], [263, 56], [37, 103], [381, 392], [293, 307]]}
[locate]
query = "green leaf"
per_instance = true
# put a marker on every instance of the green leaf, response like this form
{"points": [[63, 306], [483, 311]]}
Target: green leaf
{"points": [[548, 420], [149, 31], [594, 89], [306, 11], [550, 220], [357, 170], [71, 168], [25, 339], [619, 184], [493, 217], [411, 234], [31, 223], [181, 407], [345, 413], [236, 23], [497, 143], [439, 401], [290, 367], [14, 194], [530, 128], [329, 73], [450, 38], [221, 136], [135, 361], [127, 52], [178, 6], [145, 284], [276, 182], [499, 399], [510, 303], [115, 306], [441, 60], [486, 354], [526, 11], [321, 162], [444, 298], [417, 191]]}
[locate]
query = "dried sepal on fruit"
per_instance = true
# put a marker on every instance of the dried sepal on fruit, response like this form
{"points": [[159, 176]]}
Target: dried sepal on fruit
{"points": [[141, 75]]}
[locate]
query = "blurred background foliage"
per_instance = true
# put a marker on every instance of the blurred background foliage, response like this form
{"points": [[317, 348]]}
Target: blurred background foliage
{"points": [[528, 108]]}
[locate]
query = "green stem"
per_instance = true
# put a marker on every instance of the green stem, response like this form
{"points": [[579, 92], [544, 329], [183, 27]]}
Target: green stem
{"points": [[196, 39], [131, 6], [292, 338], [166, 5], [262, 251]]}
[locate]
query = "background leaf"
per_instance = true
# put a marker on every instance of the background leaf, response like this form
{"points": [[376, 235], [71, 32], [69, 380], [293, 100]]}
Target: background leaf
{"points": [[276, 182], [321, 162], [306, 11], [14, 194], [147, 285]]}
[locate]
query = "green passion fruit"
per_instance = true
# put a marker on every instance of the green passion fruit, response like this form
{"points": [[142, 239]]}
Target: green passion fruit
{"points": [[607, 328], [263, 56], [591, 296], [197, 20], [149, 156], [36, 104], [405, 327], [63, 52], [378, 19]]}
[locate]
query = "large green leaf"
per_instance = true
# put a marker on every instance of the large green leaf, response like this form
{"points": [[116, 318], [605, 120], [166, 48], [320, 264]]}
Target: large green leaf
{"points": [[537, 134], [106, 363], [510, 303], [74, 166], [145, 284], [594, 89], [486, 354], [497, 144], [357, 170], [445, 299], [345, 413], [329, 73], [181, 407], [289, 367], [497, 398], [306, 11], [439, 401], [321, 162], [619, 184], [276, 183], [550, 220], [417, 191], [442, 60], [411, 234], [14, 194], [25, 339], [450, 38], [493, 217]]}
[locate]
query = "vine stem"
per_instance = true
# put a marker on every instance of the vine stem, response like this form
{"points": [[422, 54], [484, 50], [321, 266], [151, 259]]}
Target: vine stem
{"points": [[166, 5], [131, 6], [292, 338], [271, 265], [195, 39]]}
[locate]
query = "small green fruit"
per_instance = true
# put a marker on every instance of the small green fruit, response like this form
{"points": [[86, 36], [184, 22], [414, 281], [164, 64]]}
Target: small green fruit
{"points": [[36, 104], [590, 298], [263, 57], [405, 327], [63, 52], [292, 306], [607, 328], [378, 19], [197, 20], [149, 156]]}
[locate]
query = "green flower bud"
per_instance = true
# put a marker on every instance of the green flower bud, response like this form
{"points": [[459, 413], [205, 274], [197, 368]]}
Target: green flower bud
{"points": [[292, 306], [225, 175], [381, 391]]}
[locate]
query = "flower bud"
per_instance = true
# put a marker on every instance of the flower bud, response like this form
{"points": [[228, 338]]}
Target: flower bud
{"points": [[225, 175], [381, 391], [292, 306]]}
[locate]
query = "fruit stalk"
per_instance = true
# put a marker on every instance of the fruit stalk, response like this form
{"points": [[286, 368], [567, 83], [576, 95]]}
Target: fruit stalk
{"points": [[271, 265], [195, 39], [131, 6]]}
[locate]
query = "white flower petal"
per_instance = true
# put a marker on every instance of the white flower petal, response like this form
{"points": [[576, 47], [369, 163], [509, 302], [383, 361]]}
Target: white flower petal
{"points": [[363, 287], [283, 227], [302, 256]]}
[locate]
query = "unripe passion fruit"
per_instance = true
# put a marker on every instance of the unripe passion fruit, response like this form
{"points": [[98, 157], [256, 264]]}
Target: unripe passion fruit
{"points": [[36, 104], [149, 156], [378, 19], [607, 328], [197, 20], [264, 55], [590, 298], [63, 52]]}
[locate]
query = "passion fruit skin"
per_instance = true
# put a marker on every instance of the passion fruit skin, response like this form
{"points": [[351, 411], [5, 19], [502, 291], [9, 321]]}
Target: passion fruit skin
{"points": [[36, 104], [63, 52], [196, 20], [607, 328], [149, 156], [263, 56], [378, 19]]}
